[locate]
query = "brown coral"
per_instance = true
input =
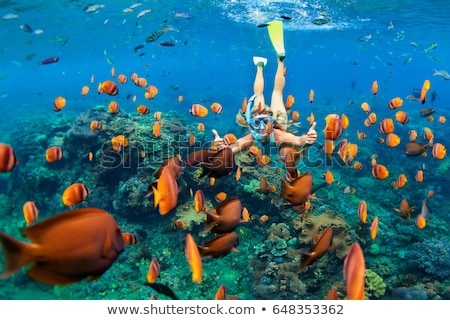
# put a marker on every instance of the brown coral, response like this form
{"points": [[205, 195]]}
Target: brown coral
{"points": [[310, 225]]}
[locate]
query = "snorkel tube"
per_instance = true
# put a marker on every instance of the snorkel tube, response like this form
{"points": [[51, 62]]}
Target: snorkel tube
{"points": [[248, 115]]}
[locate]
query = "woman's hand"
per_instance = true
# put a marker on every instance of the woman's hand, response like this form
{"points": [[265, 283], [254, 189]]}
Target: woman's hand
{"points": [[311, 136], [218, 141]]}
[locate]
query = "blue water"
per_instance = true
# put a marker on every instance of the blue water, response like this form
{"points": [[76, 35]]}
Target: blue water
{"points": [[212, 61]]}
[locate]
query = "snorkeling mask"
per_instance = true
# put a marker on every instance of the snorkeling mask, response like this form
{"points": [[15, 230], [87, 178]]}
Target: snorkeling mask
{"points": [[259, 123]]}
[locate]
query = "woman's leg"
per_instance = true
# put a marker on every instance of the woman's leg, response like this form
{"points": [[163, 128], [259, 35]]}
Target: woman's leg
{"points": [[277, 104], [258, 84]]}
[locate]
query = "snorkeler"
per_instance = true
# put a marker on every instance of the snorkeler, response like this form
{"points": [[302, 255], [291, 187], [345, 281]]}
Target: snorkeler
{"points": [[268, 125]]}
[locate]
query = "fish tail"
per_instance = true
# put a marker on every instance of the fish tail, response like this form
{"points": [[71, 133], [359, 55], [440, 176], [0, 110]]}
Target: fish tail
{"points": [[17, 254]]}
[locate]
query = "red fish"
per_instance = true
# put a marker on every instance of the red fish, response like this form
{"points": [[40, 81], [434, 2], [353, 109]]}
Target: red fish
{"points": [[30, 212], [322, 245], [153, 271], [354, 273], [194, 259], [298, 190], [225, 217], [66, 248], [74, 194], [215, 164], [220, 246], [166, 192], [8, 159]]}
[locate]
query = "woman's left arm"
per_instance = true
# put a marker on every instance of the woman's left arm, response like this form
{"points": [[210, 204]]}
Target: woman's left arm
{"points": [[309, 138]]}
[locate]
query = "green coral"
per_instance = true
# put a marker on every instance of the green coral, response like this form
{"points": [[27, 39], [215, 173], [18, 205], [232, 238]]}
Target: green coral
{"points": [[443, 168], [374, 285], [252, 187]]}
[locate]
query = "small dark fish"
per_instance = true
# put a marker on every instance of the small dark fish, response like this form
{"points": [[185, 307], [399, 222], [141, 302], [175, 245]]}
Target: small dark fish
{"points": [[141, 54], [414, 149], [353, 63], [433, 96], [426, 112], [416, 92], [138, 47], [49, 61], [321, 21], [167, 44], [26, 28], [163, 289], [262, 25], [31, 56], [285, 17]]}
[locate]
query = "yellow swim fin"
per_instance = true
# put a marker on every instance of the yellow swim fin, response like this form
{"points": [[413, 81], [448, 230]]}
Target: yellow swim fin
{"points": [[276, 35]]}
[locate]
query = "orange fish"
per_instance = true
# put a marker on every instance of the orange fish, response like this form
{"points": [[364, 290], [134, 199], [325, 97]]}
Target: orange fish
{"points": [[221, 196], [221, 293], [379, 171], [328, 147], [53, 154], [298, 190], [66, 248], [357, 165], [141, 109], [345, 121], [95, 125], [371, 119], [311, 118], [354, 272], [361, 135], [374, 228], [362, 211], [30, 212], [392, 140], [157, 129], [192, 140], [90, 156], [322, 244], [220, 246], [289, 101], [179, 224], [244, 105], [166, 191], [113, 107], [59, 103], [121, 78], [374, 87], [365, 107], [430, 194], [8, 159], [428, 134], [328, 176], [419, 176], [198, 110], [129, 238], [109, 87], [216, 107], [402, 117], [395, 103], [423, 93], [199, 201], [151, 92], [141, 82], [386, 126], [153, 271], [84, 90], [442, 119], [295, 116], [264, 218], [332, 294], [194, 259], [439, 151], [405, 209], [225, 217], [74, 194], [180, 99], [311, 96], [201, 127], [333, 127], [401, 180], [229, 138], [412, 135], [420, 222]]}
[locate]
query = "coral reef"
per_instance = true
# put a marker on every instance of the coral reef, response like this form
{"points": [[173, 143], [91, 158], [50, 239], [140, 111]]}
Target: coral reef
{"points": [[186, 213], [374, 285], [310, 225], [431, 255]]}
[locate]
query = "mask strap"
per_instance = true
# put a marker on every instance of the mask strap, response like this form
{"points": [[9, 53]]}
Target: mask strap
{"points": [[248, 112]]}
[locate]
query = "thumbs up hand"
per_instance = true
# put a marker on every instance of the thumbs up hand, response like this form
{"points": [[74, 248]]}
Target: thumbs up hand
{"points": [[311, 136]]}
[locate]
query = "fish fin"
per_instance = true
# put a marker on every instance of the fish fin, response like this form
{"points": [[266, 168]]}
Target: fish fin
{"points": [[275, 29], [234, 249], [17, 254], [157, 196], [40, 273], [212, 217]]}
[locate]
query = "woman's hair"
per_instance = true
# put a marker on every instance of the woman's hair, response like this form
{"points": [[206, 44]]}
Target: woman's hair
{"points": [[242, 121]]}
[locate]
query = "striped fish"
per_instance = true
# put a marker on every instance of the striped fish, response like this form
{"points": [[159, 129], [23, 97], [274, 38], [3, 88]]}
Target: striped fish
{"points": [[156, 35]]}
